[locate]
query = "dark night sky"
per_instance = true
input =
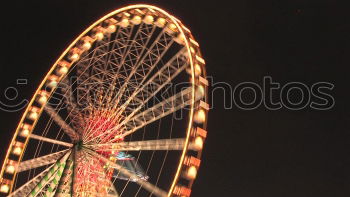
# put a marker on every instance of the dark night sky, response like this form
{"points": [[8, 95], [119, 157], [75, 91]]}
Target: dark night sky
{"points": [[257, 153]]}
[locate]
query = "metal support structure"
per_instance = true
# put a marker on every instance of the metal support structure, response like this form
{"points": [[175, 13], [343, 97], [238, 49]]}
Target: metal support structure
{"points": [[40, 161]]}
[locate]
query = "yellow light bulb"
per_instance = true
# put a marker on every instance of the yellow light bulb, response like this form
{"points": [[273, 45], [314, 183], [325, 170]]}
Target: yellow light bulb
{"points": [[99, 35], [192, 172], [160, 22], [198, 143], [4, 188], [86, 45], [172, 27], [24, 133], [63, 70], [148, 19], [136, 20], [10, 169], [33, 115], [124, 23], [200, 91], [200, 116], [74, 57], [111, 28], [17, 151], [197, 70], [42, 100]]}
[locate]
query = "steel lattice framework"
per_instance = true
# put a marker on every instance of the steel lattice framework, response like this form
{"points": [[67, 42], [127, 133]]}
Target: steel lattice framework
{"points": [[129, 93]]}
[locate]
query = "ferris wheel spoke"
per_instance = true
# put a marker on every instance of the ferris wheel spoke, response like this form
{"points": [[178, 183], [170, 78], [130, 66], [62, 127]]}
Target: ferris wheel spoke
{"points": [[140, 39], [64, 186], [158, 81], [83, 65], [150, 88], [121, 41], [41, 161], [89, 57], [25, 189], [112, 190], [70, 101], [160, 110], [141, 66], [91, 83], [101, 55], [103, 64], [52, 141], [161, 144], [48, 183], [121, 38], [60, 122], [112, 58], [103, 195], [138, 68], [94, 57], [144, 184], [134, 50]]}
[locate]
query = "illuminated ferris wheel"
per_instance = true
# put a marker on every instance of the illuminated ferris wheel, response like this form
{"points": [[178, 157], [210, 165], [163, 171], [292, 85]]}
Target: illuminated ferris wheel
{"points": [[122, 112]]}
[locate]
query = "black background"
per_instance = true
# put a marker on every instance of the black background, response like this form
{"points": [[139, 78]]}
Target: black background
{"points": [[255, 153]]}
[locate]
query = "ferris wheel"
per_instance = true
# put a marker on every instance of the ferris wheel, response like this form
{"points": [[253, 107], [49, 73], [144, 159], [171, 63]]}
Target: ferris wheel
{"points": [[122, 112]]}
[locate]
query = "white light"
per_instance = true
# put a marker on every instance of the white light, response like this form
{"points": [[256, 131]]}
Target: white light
{"points": [[199, 59], [180, 39], [74, 57], [148, 19], [33, 115], [99, 36], [136, 20], [200, 91], [161, 22], [25, 130], [124, 23], [192, 172], [43, 99], [198, 143], [200, 116], [52, 81], [63, 70], [86, 45], [197, 70], [111, 29], [10, 169], [24, 133], [17, 150], [192, 50], [4, 188], [172, 27], [52, 84]]}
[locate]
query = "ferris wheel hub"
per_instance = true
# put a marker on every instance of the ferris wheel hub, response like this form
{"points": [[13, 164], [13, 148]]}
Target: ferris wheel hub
{"points": [[79, 145]]}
